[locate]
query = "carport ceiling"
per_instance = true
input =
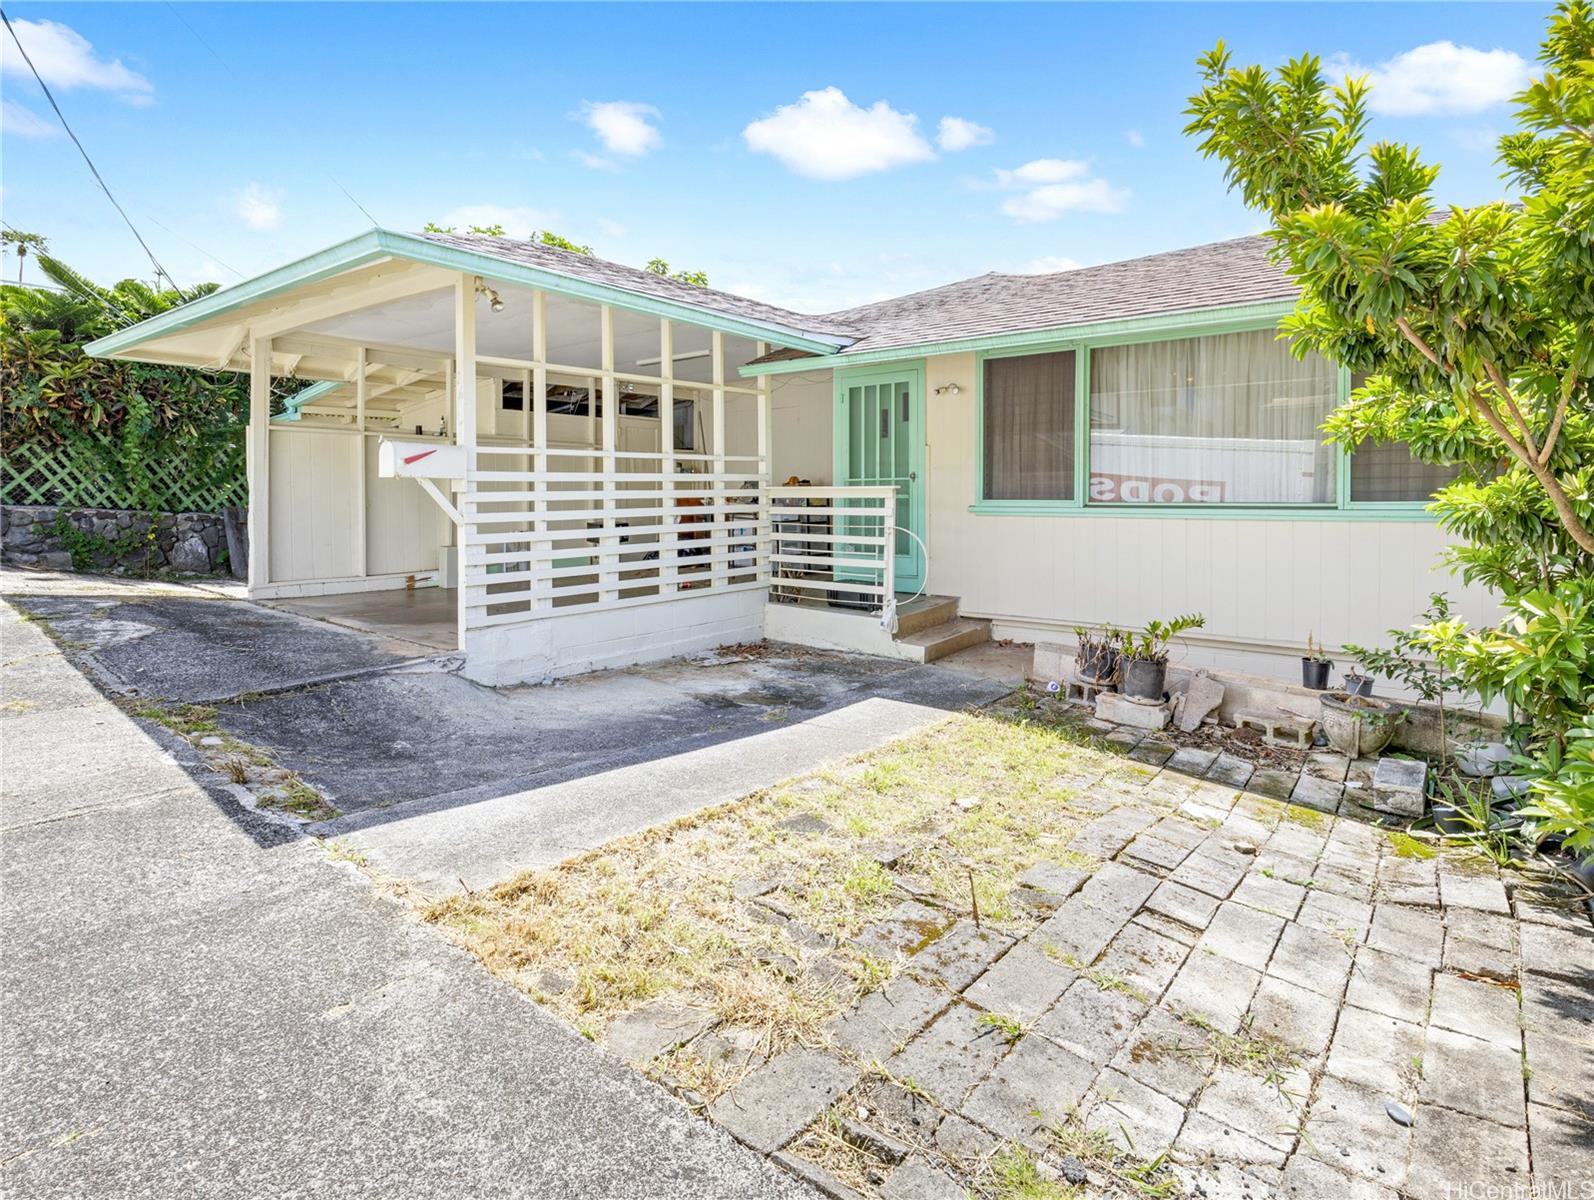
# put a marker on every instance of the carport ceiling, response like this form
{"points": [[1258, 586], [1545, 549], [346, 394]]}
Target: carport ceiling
{"points": [[426, 322]]}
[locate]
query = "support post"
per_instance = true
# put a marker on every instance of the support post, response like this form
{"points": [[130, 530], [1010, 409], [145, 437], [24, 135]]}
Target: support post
{"points": [[670, 541], [609, 542], [537, 402], [258, 463], [766, 470], [720, 522], [465, 425], [362, 393]]}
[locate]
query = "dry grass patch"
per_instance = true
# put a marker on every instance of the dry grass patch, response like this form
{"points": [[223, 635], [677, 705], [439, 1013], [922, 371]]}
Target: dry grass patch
{"points": [[659, 913]]}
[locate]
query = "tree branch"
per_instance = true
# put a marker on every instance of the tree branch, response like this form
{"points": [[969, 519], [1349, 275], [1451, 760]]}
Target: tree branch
{"points": [[1411, 336], [1575, 528], [1511, 402], [1554, 433]]}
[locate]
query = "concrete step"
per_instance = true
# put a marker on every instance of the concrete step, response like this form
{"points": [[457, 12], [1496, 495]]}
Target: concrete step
{"points": [[948, 637], [925, 612]]}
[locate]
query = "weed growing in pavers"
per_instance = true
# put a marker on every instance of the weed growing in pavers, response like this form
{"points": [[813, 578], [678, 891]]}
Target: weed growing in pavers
{"points": [[340, 851], [236, 769], [1013, 1174], [1097, 1150], [1010, 1028], [294, 795], [822, 1144], [1109, 982]]}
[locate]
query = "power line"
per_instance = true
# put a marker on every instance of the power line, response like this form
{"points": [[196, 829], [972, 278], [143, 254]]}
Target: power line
{"points": [[95, 171], [375, 224]]}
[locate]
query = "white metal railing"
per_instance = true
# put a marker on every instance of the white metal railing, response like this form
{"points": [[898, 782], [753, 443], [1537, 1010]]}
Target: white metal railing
{"points": [[544, 530], [833, 544]]}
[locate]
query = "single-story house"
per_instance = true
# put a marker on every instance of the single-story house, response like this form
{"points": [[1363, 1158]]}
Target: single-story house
{"points": [[564, 463]]}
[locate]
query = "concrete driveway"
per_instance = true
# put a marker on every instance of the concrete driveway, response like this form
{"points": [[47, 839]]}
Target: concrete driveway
{"points": [[449, 784], [197, 1002]]}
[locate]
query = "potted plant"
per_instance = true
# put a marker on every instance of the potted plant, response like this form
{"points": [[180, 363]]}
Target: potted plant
{"points": [[1143, 668], [1357, 684], [1412, 663], [1096, 660], [1357, 725], [1315, 666]]}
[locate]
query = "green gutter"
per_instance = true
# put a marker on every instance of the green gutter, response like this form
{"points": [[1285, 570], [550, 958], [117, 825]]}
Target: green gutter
{"points": [[303, 396], [1190, 321], [376, 244]]}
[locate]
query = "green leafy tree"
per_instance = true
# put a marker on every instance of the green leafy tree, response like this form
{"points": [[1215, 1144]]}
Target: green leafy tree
{"points": [[1475, 326], [658, 266]]}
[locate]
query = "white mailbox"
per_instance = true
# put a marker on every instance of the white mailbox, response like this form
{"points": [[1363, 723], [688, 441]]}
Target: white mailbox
{"points": [[396, 459]]}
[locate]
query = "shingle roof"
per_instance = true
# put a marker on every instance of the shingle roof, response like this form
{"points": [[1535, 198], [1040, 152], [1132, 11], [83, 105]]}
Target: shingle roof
{"points": [[645, 283], [1210, 276], [1216, 275]]}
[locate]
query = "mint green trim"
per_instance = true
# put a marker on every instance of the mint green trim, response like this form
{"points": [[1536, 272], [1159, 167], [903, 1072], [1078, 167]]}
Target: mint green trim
{"points": [[376, 244], [356, 252], [303, 396], [1164, 329], [914, 371], [1210, 512], [1187, 323]]}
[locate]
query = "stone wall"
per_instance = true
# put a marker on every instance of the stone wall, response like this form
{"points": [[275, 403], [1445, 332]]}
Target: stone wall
{"points": [[113, 541]]}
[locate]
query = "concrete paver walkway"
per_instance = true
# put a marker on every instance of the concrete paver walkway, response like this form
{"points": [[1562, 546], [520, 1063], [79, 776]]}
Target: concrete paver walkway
{"points": [[197, 1004]]}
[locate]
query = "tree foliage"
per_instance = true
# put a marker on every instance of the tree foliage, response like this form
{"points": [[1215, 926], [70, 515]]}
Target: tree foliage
{"points": [[52, 390], [1475, 326]]}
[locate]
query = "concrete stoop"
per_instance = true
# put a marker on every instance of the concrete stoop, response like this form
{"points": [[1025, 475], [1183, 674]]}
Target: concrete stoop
{"points": [[940, 640]]}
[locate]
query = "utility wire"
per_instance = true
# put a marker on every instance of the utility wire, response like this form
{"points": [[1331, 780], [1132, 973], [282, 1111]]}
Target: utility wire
{"points": [[160, 271], [375, 224]]}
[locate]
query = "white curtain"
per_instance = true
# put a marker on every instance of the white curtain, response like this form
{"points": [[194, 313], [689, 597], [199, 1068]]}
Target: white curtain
{"points": [[1226, 419]]}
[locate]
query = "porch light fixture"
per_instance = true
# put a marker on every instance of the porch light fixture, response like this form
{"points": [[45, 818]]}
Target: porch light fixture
{"points": [[482, 289], [949, 389]]}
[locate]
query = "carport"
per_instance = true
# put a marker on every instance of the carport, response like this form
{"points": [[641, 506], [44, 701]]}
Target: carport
{"points": [[546, 461]]}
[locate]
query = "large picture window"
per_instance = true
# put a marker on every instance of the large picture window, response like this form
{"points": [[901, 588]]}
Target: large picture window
{"points": [[1029, 427], [1224, 419], [1386, 473]]}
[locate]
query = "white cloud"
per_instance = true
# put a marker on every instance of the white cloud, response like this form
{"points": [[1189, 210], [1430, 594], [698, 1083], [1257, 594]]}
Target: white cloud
{"points": [[518, 221], [1439, 78], [65, 59], [623, 126], [1049, 264], [826, 136], [24, 122], [1135, 138], [955, 133], [258, 206], [1046, 188]]}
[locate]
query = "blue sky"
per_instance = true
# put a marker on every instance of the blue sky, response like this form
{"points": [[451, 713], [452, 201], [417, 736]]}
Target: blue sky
{"points": [[795, 153]]}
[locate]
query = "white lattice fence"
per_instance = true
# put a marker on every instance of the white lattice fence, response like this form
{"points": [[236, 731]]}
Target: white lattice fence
{"points": [[89, 473]]}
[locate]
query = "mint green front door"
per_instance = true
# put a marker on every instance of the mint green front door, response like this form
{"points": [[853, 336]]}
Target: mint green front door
{"points": [[879, 441]]}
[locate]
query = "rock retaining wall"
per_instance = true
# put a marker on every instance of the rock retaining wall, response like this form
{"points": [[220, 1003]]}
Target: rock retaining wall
{"points": [[113, 541]]}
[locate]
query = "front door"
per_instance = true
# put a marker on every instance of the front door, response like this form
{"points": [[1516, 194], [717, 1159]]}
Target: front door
{"points": [[880, 441]]}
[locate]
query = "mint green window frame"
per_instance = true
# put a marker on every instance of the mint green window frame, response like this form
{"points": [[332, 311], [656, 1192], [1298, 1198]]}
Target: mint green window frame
{"points": [[1342, 508]]}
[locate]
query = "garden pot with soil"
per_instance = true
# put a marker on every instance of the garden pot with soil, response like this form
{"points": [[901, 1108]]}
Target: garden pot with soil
{"points": [[1358, 685], [1315, 666], [1357, 725], [1144, 680]]}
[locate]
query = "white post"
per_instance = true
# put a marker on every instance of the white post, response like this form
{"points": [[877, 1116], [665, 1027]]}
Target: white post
{"points": [[258, 463], [670, 541], [538, 404], [362, 391], [766, 466], [719, 523], [465, 421], [608, 543]]}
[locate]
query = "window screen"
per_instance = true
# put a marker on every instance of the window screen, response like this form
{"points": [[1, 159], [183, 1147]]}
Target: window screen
{"points": [[1386, 472], [1226, 419], [1029, 427]]}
